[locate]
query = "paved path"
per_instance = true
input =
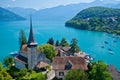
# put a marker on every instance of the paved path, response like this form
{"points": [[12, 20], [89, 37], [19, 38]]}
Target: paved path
{"points": [[51, 75]]}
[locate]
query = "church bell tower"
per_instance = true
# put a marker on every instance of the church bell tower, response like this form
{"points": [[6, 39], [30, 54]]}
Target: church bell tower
{"points": [[32, 49]]}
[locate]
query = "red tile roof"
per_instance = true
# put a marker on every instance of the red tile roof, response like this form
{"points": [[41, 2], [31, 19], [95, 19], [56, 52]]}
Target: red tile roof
{"points": [[76, 62], [24, 49], [114, 72], [41, 64]]}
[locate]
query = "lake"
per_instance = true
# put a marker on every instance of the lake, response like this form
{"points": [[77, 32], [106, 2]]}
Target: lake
{"points": [[93, 43]]}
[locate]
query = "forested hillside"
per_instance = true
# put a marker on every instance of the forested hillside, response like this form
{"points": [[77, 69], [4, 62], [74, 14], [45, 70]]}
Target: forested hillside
{"points": [[97, 19]]}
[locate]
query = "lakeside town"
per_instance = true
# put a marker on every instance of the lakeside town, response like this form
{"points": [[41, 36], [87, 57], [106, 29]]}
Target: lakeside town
{"points": [[54, 61], [59, 40]]}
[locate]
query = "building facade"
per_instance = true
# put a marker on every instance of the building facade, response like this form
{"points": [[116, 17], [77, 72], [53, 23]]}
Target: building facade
{"points": [[61, 65]]}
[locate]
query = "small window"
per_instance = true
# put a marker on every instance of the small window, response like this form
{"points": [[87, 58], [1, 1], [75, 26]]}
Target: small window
{"points": [[61, 73]]}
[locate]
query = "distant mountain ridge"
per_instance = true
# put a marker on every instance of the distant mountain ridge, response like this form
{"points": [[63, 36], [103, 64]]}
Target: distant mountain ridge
{"points": [[62, 12], [97, 19], [24, 12], [6, 15], [101, 12]]}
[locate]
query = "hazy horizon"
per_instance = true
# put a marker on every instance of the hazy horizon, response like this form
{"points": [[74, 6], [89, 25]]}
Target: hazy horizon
{"points": [[39, 4]]}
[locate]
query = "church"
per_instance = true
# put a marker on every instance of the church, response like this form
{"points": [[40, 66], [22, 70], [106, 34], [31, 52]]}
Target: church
{"points": [[28, 56]]}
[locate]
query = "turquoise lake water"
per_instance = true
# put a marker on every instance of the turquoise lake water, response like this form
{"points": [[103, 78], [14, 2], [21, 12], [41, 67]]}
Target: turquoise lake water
{"points": [[89, 42]]}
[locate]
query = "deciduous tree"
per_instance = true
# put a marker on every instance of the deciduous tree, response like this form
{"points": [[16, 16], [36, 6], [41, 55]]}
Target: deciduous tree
{"points": [[48, 50], [76, 75], [4, 75], [99, 71], [9, 61]]}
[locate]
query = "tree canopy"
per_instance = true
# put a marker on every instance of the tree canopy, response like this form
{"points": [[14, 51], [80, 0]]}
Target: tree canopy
{"points": [[97, 11], [48, 50], [74, 48], [97, 19], [4, 75], [22, 38], [57, 43], [64, 42], [98, 71], [51, 41], [76, 75], [9, 61]]}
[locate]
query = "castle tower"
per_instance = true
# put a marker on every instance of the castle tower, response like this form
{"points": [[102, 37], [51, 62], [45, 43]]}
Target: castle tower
{"points": [[32, 49]]}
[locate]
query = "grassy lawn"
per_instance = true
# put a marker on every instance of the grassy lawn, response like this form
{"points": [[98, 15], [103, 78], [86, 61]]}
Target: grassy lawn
{"points": [[34, 75]]}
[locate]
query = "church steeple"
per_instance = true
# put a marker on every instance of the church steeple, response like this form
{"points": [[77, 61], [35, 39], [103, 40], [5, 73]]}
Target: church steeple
{"points": [[31, 39]]}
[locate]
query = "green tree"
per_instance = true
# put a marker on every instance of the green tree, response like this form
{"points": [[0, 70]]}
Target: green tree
{"points": [[51, 41], [40, 77], [23, 72], [9, 61], [57, 43], [64, 42], [0, 66], [22, 38], [74, 48], [48, 50], [4, 75], [19, 74], [14, 72], [76, 75], [99, 71]]}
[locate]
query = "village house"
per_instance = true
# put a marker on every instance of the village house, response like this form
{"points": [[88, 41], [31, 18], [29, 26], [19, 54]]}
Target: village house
{"points": [[29, 57], [64, 51], [61, 65]]}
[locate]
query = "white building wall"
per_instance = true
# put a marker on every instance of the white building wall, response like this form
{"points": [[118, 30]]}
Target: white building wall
{"points": [[57, 73]]}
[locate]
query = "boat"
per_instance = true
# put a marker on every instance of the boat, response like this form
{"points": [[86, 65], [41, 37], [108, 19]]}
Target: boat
{"points": [[109, 49], [14, 54], [105, 42], [88, 57], [114, 41], [110, 52], [102, 47]]}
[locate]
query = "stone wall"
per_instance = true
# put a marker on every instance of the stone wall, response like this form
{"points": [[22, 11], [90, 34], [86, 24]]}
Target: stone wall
{"points": [[19, 64], [23, 54], [32, 57]]}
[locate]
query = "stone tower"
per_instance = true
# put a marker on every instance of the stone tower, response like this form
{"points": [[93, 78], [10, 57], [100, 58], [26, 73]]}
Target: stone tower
{"points": [[32, 49]]}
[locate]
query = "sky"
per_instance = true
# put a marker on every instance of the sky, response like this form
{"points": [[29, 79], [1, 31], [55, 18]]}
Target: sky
{"points": [[39, 4]]}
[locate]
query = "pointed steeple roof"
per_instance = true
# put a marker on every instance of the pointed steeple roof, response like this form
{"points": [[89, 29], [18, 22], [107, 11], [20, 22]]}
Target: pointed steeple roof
{"points": [[31, 39]]}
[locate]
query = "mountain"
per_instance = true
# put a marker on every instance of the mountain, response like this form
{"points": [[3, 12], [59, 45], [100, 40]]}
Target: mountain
{"points": [[97, 12], [24, 12], [6, 15], [68, 11], [97, 19], [110, 1], [63, 12]]}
